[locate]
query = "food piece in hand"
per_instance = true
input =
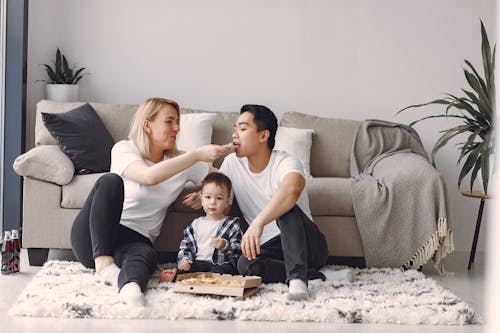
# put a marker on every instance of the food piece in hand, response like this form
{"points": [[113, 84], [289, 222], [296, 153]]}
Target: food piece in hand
{"points": [[228, 145]]}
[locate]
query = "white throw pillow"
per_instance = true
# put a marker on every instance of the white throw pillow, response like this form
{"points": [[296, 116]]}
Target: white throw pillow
{"points": [[195, 130], [296, 142]]}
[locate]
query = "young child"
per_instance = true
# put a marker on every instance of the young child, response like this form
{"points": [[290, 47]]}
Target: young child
{"points": [[211, 243]]}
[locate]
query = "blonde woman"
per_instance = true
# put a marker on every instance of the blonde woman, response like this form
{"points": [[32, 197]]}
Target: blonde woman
{"points": [[123, 215]]}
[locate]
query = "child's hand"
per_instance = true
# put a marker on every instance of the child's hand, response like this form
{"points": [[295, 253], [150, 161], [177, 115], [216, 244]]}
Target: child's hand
{"points": [[185, 264], [218, 243], [168, 275]]}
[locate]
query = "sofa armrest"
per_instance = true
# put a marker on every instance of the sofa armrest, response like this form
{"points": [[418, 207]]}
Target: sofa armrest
{"points": [[47, 163], [45, 223]]}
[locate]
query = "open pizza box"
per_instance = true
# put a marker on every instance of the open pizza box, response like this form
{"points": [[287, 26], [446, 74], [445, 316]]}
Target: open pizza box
{"points": [[239, 286]]}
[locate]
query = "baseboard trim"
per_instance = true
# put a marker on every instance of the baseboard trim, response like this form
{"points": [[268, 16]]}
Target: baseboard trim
{"points": [[358, 262]]}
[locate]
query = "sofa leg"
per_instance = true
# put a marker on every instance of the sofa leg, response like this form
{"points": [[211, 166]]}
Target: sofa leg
{"points": [[37, 256]]}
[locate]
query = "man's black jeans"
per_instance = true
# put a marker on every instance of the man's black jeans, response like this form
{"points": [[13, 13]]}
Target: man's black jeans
{"points": [[297, 253]]}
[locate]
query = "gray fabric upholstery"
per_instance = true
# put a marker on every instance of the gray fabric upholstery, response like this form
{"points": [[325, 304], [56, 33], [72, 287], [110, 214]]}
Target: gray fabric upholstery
{"points": [[330, 196], [332, 142], [342, 235], [45, 163], [76, 192], [45, 223], [49, 209]]}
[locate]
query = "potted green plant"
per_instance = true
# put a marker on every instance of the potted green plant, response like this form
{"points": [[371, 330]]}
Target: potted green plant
{"points": [[62, 83], [477, 111]]}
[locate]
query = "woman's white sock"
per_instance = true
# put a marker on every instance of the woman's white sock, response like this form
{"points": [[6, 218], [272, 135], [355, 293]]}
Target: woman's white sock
{"points": [[343, 274], [131, 293], [110, 273]]}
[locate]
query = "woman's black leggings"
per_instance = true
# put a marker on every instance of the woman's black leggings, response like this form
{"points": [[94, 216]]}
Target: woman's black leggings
{"points": [[97, 232]]}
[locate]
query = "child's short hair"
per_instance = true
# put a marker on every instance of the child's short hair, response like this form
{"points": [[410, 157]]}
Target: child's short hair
{"points": [[219, 179]]}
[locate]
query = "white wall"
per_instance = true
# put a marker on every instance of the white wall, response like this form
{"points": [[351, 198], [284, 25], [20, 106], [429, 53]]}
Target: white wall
{"points": [[349, 59]]}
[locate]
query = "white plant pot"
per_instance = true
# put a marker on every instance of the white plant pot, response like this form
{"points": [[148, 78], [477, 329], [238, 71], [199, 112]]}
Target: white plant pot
{"points": [[62, 92]]}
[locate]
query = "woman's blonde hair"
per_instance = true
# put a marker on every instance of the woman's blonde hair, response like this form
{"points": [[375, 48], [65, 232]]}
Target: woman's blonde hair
{"points": [[148, 111]]}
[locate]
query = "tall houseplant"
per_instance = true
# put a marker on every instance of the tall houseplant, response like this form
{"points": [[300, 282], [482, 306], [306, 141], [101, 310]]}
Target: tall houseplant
{"points": [[62, 83], [477, 111]]}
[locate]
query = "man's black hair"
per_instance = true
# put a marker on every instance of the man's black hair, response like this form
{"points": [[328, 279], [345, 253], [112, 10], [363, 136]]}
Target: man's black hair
{"points": [[264, 119]]}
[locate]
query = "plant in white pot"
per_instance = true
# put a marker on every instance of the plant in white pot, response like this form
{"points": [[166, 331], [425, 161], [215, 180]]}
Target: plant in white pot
{"points": [[62, 85], [477, 112]]}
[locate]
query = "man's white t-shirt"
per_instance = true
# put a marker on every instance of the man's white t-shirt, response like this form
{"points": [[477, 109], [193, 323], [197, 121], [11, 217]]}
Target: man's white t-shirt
{"points": [[145, 206], [253, 191], [204, 230]]}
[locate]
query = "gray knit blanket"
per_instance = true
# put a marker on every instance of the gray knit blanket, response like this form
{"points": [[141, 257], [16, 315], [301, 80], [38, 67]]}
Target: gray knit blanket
{"points": [[399, 198]]}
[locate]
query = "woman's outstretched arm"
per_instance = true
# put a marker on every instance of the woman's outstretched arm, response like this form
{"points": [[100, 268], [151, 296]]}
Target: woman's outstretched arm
{"points": [[140, 172]]}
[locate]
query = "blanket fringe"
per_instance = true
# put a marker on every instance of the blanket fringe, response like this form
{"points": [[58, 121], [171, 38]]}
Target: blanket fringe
{"points": [[437, 247]]}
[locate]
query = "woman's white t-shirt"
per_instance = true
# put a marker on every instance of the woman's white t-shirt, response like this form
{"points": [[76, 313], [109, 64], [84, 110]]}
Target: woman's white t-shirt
{"points": [[145, 206], [254, 190]]}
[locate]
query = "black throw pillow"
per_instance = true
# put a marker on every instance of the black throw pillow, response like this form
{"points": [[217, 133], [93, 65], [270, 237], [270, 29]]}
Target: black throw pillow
{"points": [[82, 136]]}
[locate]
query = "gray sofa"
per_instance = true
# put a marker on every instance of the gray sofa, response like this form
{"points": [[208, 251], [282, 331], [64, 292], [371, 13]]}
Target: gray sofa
{"points": [[51, 200]]}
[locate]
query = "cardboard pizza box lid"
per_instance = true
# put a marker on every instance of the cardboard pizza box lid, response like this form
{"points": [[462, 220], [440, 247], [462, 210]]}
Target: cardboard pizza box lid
{"points": [[246, 286]]}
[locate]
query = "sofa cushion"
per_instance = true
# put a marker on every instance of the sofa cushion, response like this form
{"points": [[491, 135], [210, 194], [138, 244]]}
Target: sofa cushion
{"points": [[195, 130], [76, 192], [330, 196], [333, 139], [82, 136], [296, 142], [47, 163]]}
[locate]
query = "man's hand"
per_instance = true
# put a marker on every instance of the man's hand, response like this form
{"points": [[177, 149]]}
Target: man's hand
{"points": [[192, 200], [185, 264], [250, 244], [218, 243]]}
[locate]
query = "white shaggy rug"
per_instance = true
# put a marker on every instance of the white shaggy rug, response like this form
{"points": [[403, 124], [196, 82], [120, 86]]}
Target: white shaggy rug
{"points": [[67, 289]]}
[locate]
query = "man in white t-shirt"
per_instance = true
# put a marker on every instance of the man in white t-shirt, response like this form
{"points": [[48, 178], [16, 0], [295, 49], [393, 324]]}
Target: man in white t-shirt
{"points": [[281, 244]]}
